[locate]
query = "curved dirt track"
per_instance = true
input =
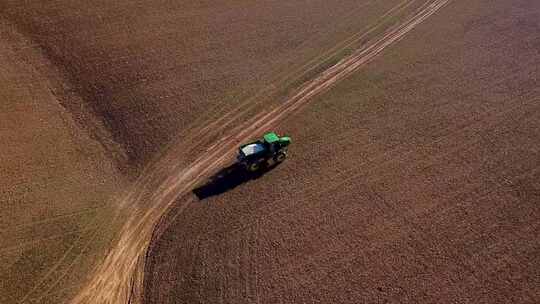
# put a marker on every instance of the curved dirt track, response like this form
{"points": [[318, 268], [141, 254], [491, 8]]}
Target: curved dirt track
{"points": [[119, 278]]}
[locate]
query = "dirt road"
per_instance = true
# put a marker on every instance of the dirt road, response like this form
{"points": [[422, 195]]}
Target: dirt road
{"points": [[118, 278]]}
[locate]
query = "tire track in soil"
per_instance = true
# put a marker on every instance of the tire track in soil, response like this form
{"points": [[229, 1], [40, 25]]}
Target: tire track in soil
{"points": [[14, 228], [71, 265], [280, 81], [197, 134], [60, 261], [31, 243], [152, 194]]}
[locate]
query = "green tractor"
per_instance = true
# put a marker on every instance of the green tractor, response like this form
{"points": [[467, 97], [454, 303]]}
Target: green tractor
{"points": [[261, 153]]}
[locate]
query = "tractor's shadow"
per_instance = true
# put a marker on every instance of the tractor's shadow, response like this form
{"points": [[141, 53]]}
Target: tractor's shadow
{"points": [[227, 179]]}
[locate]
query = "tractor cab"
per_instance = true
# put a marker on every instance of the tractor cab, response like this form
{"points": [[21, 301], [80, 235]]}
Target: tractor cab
{"points": [[274, 142]]}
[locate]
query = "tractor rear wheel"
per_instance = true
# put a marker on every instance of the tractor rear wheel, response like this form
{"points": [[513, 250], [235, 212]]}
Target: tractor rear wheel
{"points": [[280, 157]]}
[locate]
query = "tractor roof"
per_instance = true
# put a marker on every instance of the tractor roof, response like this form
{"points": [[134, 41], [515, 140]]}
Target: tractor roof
{"points": [[271, 137], [252, 148]]}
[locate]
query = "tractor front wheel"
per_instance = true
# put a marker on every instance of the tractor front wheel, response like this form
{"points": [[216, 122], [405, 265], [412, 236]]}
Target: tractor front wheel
{"points": [[280, 157]]}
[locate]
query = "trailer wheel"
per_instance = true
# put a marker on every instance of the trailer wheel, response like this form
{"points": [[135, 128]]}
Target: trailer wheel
{"points": [[280, 157], [254, 167]]}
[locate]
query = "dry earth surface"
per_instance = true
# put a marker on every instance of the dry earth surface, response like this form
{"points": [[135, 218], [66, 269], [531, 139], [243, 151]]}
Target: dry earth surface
{"points": [[92, 91], [416, 179], [119, 278], [150, 69], [55, 183]]}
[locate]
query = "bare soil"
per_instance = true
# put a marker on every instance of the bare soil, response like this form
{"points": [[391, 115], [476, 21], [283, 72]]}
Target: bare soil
{"points": [[150, 71], [416, 180], [56, 183], [414, 173], [120, 277], [90, 88]]}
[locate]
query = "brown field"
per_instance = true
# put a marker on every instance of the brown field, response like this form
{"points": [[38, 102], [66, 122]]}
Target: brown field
{"points": [[56, 183], [151, 71], [415, 180], [414, 174]]}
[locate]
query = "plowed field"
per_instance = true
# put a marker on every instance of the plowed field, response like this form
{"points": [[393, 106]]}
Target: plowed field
{"points": [[414, 174], [416, 180]]}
